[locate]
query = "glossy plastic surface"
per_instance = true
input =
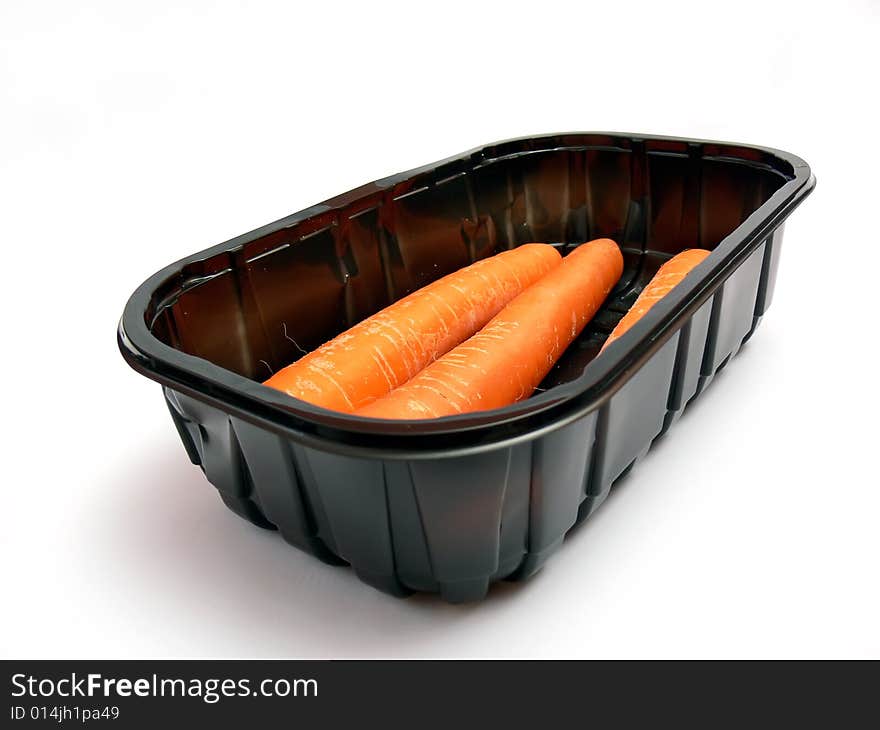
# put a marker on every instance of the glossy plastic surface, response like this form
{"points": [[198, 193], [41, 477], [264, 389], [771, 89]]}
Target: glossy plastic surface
{"points": [[451, 505]]}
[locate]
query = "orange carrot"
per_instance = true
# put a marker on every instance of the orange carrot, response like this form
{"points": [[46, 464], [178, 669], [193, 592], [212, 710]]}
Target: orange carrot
{"points": [[504, 362], [388, 348], [668, 276]]}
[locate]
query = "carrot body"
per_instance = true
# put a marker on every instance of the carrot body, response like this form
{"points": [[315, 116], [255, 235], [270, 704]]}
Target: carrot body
{"points": [[668, 276], [504, 362], [390, 347]]}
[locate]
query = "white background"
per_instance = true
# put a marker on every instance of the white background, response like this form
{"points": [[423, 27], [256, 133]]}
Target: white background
{"points": [[132, 134]]}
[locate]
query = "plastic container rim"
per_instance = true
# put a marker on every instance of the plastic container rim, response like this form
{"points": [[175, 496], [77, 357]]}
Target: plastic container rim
{"points": [[460, 434]]}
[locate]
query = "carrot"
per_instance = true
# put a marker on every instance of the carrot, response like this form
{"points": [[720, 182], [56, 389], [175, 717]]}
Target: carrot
{"points": [[667, 277], [388, 348], [504, 362]]}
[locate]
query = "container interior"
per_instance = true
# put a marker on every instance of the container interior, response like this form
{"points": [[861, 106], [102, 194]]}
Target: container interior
{"points": [[261, 304]]}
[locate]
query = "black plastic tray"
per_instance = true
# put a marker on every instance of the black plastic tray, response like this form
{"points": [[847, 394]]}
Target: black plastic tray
{"points": [[452, 504]]}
